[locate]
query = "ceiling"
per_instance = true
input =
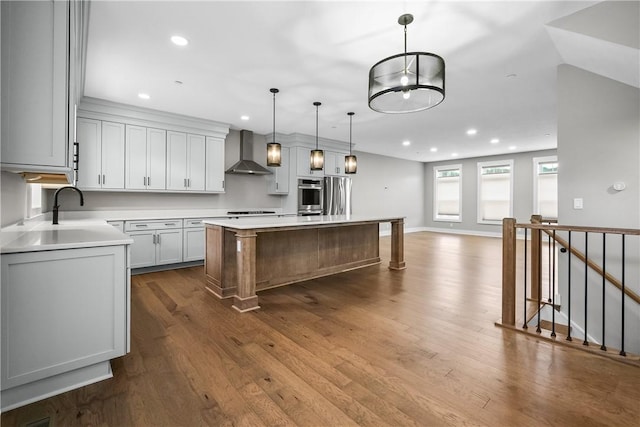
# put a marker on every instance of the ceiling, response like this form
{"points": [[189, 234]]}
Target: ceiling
{"points": [[500, 68]]}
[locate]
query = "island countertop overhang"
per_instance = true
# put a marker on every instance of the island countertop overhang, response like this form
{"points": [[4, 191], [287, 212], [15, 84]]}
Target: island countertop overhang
{"points": [[258, 223]]}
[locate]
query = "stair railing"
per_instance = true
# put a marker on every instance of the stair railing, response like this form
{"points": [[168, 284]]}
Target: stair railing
{"points": [[532, 293]]}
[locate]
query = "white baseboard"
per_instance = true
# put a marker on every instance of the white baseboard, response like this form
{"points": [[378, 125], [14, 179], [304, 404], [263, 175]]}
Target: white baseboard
{"points": [[406, 230], [465, 232]]}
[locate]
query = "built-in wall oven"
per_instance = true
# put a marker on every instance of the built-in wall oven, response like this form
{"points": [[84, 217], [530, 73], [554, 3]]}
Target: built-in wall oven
{"points": [[310, 196]]}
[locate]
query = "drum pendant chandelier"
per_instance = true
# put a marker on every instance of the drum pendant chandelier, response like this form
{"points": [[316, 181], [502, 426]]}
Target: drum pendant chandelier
{"points": [[407, 82]]}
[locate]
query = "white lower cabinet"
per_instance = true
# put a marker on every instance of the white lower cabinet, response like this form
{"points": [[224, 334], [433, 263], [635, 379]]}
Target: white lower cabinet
{"points": [[193, 245], [155, 242], [65, 314]]}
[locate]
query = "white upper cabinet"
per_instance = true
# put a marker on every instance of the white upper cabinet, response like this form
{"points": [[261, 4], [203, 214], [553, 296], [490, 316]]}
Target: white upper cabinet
{"points": [[156, 159], [101, 154], [89, 134], [146, 158], [278, 182], [136, 171], [176, 161], [185, 161], [196, 162], [35, 86], [215, 165], [334, 163], [304, 163]]}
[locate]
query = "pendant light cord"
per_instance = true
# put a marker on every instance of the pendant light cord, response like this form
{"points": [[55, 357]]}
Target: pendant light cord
{"points": [[350, 127], [316, 126], [405, 49], [274, 117]]}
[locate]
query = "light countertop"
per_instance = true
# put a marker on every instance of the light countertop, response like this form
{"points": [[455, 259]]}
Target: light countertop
{"points": [[36, 236], [152, 214], [296, 221]]}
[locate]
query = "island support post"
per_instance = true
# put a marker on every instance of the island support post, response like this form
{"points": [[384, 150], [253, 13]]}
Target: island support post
{"points": [[397, 245]]}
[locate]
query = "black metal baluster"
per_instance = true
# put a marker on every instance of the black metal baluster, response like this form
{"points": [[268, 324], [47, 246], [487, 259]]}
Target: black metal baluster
{"points": [[586, 271], [622, 352], [569, 291], [553, 284], [549, 264], [524, 308], [603, 347], [524, 325], [538, 329]]}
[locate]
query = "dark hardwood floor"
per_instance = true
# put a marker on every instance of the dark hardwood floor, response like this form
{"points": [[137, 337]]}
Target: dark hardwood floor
{"points": [[369, 347]]}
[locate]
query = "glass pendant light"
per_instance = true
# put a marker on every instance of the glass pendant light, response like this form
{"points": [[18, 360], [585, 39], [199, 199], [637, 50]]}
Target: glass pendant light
{"points": [[407, 82], [317, 155], [273, 148], [350, 161]]}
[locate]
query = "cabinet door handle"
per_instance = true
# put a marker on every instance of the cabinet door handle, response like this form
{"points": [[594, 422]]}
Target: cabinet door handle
{"points": [[99, 180], [185, 183], [154, 239], [189, 182], [158, 236], [149, 181], [104, 179], [276, 185], [144, 181], [223, 183]]}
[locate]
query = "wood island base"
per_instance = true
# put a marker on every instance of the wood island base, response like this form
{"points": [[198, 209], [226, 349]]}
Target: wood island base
{"points": [[241, 261]]}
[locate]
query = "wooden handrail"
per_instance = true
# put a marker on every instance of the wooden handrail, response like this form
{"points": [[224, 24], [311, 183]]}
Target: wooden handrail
{"points": [[538, 226], [595, 267]]}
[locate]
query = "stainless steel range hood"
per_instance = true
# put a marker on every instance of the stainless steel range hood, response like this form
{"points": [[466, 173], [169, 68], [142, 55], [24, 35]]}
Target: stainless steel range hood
{"points": [[246, 165]]}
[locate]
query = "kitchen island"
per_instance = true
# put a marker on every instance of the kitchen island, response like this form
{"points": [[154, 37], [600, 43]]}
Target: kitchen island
{"points": [[247, 255]]}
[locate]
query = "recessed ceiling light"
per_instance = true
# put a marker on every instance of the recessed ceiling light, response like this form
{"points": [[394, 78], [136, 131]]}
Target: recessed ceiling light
{"points": [[454, 154], [406, 143], [143, 95], [495, 140], [512, 147], [512, 75], [472, 131], [178, 82], [244, 117], [179, 40], [433, 149]]}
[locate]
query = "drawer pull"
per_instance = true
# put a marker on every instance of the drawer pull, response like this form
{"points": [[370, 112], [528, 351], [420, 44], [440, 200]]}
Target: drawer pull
{"points": [[141, 225]]}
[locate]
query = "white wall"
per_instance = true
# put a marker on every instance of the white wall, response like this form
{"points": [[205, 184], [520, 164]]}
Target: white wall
{"points": [[389, 186], [522, 191], [599, 144], [13, 198]]}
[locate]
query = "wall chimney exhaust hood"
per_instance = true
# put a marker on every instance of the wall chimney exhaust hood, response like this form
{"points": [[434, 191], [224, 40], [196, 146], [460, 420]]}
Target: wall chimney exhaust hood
{"points": [[246, 165]]}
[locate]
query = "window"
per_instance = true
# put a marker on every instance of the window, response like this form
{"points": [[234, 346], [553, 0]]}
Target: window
{"points": [[34, 200], [447, 193], [545, 186], [495, 191]]}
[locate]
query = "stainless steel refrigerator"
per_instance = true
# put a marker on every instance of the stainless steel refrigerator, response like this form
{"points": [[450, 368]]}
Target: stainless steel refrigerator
{"points": [[337, 195]]}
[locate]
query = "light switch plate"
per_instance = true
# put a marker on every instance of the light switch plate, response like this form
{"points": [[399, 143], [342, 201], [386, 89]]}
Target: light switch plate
{"points": [[577, 203]]}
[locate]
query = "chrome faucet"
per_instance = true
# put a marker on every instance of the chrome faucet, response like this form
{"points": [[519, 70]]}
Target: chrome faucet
{"points": [[55, 201]]}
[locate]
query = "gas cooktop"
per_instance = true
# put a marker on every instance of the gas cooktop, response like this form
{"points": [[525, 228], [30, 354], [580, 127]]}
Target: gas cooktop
{"points": [[250, 212]]}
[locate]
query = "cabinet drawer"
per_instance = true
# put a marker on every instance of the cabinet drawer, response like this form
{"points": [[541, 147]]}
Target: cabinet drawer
{"points": [[193, 222], [164, 224]]}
